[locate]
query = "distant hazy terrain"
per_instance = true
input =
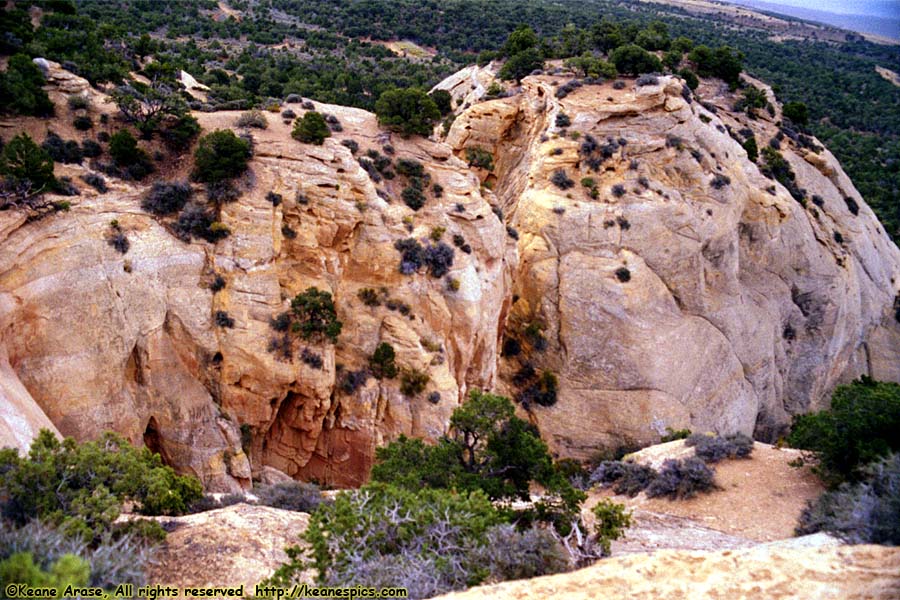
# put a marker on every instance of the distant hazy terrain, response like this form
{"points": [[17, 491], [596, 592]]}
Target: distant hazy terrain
{"points": [[875, 17]]}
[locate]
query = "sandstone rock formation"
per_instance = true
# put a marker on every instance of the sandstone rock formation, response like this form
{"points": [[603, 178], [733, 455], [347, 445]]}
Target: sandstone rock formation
{"points": [[741, 307], [810, 567], [231, 546], [692, 291], [103, 340]]}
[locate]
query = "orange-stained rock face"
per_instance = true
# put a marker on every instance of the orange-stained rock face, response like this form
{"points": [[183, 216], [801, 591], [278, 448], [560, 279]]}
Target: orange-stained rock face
{"points": [[741, 306]]}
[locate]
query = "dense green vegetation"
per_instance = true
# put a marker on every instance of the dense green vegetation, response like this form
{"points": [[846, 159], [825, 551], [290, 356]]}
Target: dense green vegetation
{"points": [[861, 426], [489, 449], [856, 449]]}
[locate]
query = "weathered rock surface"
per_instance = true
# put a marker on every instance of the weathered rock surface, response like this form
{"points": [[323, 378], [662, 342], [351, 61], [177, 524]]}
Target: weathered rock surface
{"points": [[668, 301], [103, 340], [741, 307], [231, 546], [810, 567]]}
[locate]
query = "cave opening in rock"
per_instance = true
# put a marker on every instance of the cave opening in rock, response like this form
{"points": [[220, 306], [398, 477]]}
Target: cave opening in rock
{"points": [[153, 439]]}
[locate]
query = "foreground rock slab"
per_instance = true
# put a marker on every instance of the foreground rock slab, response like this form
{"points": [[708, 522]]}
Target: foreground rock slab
{"points": [[773, 571], [238, 544]]}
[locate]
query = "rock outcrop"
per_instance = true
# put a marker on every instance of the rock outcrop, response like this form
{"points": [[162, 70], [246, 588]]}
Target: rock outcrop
{"points": [[812, 567], [102, 340], [690, 290], [670, 302], [241, 544]]}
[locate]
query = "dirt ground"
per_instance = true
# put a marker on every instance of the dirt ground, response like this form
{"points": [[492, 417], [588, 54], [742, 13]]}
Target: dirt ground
{"points": [[760, 500]]}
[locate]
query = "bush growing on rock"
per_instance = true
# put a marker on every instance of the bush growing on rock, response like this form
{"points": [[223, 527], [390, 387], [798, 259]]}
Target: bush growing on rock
{"points": [[315, 317], [91, 149], [626, 477], [409, 111], [561, 180], [60, 150], [413, 382], [480, 158], [197, 221], [634, 60], [167, 197], [311, 129], [95, 181], [381, 363], [220, 155]]}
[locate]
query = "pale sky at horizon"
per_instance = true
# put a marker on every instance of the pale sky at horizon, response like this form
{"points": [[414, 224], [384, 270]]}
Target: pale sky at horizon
{"points": [[881, 8]]}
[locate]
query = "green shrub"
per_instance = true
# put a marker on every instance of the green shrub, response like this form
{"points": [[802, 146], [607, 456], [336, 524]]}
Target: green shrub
{"points": [[413, 382], [124, 150], [66, 570], [690, 78], [443, 100], [24, 162], [521, 64], [413, 197], [860, 427], [409, 111], [315, 316], [82, 486], [79, 102], [83, 123], [381, 363], [752, 149], [867, 512], [611, 521], [311, 129], [21, 90], [796, 112], [487, 448], [675, 434], [480, 158], [180, 132], [290, 495], [634, 60], [220, 155]]}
